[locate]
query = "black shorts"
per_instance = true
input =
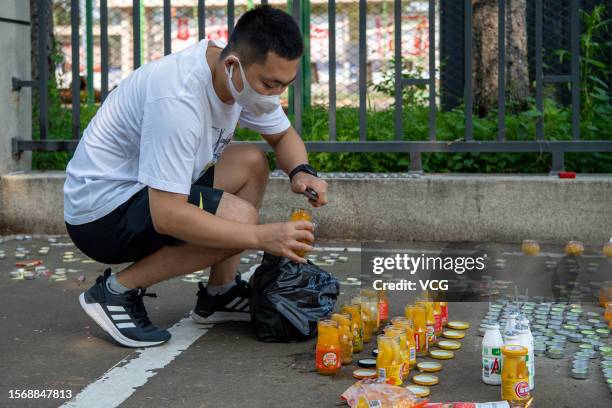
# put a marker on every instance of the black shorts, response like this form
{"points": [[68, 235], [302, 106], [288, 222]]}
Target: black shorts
{"points": [[127, 234]]}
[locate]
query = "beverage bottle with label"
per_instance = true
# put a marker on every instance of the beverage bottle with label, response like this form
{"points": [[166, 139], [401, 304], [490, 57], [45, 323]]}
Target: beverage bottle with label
{"points": [[525, 341], [420, 331], [328, 351], [354, 309], [515, 378], [383, 308], [437, 310], [444, 310], [388, 360], [407, 326], [346, 336], [491, 355], [510, 326]]}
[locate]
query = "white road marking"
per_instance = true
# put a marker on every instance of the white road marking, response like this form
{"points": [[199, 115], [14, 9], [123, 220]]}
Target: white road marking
{"points": [[337, 249], [122, 380]]}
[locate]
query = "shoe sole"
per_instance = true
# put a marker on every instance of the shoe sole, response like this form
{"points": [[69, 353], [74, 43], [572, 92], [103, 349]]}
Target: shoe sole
{"points": [[221, 317], [95, 311]]}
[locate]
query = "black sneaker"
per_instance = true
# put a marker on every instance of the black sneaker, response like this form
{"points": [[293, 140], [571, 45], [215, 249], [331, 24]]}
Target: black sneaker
{"points": [[123, 316], [231, 306]]}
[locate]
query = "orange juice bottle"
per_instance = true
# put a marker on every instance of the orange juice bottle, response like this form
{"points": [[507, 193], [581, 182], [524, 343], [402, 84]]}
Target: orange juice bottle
{"points": [[383, 308], [354, 309], [346, 336], [394, 331], [444, 310], [515, 378], [407, 326], [388, 360], [328, 352], [300, 214], [420, 331], [437, 310]]}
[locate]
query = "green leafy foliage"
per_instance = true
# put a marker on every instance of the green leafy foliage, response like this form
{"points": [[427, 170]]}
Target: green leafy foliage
{"points": [[596, 124]]}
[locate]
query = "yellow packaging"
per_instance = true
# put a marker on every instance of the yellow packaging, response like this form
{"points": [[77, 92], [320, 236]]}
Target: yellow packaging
{"points": [[515, 378]]}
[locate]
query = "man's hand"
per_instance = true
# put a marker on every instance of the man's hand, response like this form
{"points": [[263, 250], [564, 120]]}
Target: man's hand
{"points": [[302, 180], [283, 238]]}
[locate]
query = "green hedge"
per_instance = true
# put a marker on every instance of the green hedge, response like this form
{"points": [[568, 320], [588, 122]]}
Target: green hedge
{"points": [[380, 126]]}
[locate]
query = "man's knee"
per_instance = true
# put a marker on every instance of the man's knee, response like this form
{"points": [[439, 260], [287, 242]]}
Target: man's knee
{"points": [[257, 160], [237, 209]]}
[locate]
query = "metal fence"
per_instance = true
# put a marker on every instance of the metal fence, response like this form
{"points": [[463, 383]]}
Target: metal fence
{"points": [[349, 43]]}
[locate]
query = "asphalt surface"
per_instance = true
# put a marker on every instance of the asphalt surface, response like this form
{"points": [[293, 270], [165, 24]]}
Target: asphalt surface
{"points": [[48, 342]]}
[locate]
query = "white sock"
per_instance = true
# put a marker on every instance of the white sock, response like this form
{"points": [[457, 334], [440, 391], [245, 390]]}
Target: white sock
{"points": [[220, 289], [114, 286]]}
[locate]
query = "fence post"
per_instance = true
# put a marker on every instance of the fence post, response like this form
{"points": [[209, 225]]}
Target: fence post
{"points": [[16, 105]]}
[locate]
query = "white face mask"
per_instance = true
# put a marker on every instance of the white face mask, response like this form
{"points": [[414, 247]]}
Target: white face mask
{"points": [[250, 99]]}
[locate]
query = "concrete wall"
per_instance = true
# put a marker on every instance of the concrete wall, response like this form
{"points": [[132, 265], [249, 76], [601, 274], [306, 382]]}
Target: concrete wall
{"points": [[15, 107], [431, 208]]}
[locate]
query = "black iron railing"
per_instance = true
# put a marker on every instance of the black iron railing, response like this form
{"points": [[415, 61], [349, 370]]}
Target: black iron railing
{"points": [[414, 148]]}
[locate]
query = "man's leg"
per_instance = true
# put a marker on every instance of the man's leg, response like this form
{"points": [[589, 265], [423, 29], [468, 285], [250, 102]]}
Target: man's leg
{"points": [[243, 171], [176, 260]]}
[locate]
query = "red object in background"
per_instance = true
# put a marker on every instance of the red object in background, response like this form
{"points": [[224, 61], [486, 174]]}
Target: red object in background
{"points": [[567, 174], [182, 32], [28, 264]]}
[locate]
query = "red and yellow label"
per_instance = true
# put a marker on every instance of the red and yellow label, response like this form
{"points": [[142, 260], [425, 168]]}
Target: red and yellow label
{"points": [[328, 360], [517, 390]]}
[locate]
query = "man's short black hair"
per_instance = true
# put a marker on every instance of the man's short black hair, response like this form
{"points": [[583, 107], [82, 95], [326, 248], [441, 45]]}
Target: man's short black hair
{"points": [[263, 29]]}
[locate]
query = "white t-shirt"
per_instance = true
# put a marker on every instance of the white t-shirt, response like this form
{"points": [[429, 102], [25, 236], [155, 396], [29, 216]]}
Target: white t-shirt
{"points": [[162, 127]]}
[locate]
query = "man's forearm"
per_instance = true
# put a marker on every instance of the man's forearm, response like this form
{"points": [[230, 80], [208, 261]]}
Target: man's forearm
{"points": [[191, 224], [290, 151]]}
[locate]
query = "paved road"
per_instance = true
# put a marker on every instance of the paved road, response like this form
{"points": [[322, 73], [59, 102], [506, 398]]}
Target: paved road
{"points": [[47, 342]]}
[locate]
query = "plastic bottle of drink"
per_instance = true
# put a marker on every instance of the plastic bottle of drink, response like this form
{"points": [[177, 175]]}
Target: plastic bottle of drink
{"points": [[525, 323], [515, 378], [437, 311], [491, 355], [510, 326], [420, 332], [525, 341], [510, 338], [383, 308], [444, 310]]}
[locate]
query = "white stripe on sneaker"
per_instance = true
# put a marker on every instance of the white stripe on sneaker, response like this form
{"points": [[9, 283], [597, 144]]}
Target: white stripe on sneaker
{"points": [[125, 325], [241, 304], [115, 308], [121, 317], [233, 302]]}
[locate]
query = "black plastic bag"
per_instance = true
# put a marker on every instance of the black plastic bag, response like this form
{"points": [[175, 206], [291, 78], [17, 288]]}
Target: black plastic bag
{"points": [[288, 298]]}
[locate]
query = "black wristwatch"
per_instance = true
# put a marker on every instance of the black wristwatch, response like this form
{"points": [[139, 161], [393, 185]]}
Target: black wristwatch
{"points": [[306, 168]]}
